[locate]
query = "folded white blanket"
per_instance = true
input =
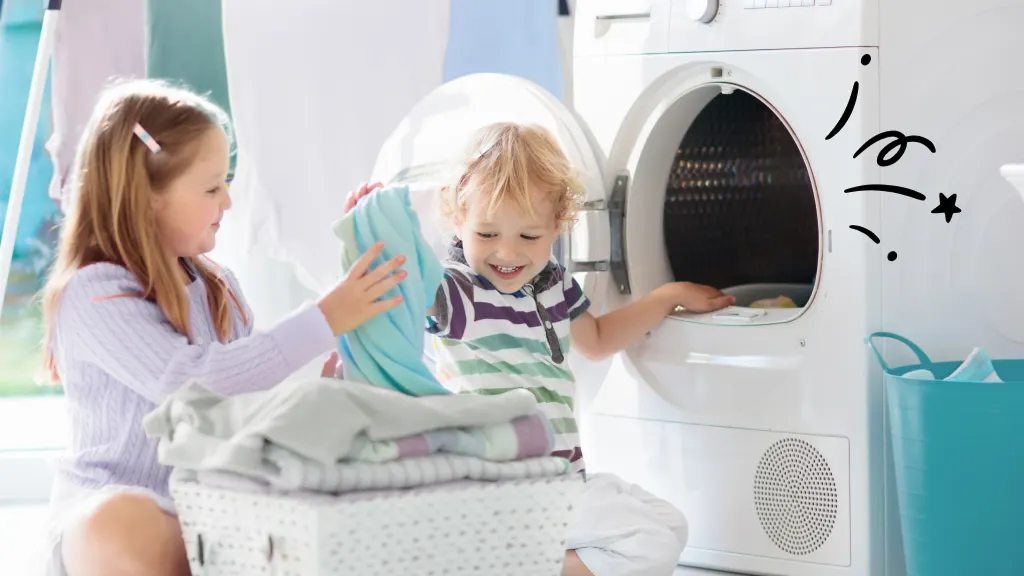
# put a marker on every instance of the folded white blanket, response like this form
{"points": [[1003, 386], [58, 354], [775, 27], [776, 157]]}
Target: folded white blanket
{"points": [[297, 474], [320, 421]]}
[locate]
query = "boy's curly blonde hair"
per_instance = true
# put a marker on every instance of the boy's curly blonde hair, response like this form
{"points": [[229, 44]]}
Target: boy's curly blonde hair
{"points": [[502, 161]]}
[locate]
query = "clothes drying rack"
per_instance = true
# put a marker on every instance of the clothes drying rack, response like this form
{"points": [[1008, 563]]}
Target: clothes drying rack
{"points": [[28, 134]]}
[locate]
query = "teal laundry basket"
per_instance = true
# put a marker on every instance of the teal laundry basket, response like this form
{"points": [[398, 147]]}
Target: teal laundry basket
{"points": [[958, 451]]}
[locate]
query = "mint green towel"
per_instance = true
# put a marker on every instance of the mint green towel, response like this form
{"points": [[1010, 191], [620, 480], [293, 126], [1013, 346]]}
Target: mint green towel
{"points": [[387, 350]]}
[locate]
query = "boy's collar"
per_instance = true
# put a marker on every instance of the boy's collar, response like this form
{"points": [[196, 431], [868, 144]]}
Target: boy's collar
{"points": [[544, 280]]}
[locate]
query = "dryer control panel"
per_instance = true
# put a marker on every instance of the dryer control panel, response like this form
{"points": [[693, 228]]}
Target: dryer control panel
{"points": [[784, 3], [771, 24], [604, 27]]}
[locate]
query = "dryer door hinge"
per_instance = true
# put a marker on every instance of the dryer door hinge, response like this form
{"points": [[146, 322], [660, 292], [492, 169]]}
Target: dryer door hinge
{"points": [[602, 224]]}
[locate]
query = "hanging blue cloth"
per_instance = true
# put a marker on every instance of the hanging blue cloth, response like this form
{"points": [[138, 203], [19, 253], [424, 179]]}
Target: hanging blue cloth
{"points": [[185, 43], [517, 37]]}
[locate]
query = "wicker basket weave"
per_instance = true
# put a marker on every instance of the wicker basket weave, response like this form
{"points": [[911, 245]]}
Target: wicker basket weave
{"points": [[515, 528]]}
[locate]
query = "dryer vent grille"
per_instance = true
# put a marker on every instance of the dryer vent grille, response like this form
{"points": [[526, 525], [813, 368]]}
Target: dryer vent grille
{"points": [[795, 496]]}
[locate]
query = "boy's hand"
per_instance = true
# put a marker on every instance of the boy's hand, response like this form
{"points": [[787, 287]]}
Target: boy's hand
{"points": [[353, 197], [696, 297]]}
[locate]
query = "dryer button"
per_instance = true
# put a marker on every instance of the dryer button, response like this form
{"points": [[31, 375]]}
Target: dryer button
{"points": [[808, 3], [824, 2]]}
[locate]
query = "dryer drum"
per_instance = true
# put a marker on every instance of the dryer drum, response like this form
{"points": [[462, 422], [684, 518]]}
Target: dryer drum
{"points": [[739, 206]]}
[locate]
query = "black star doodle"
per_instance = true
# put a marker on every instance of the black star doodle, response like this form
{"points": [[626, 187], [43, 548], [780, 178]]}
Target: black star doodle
{"points": [[887, 156], [947, 207]]}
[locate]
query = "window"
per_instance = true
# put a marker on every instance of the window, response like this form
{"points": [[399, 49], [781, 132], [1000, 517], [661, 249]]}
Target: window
{"points": [[32, 417]]}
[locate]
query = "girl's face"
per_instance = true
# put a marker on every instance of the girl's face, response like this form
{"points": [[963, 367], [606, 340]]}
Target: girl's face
{"points": [[189, 211]]}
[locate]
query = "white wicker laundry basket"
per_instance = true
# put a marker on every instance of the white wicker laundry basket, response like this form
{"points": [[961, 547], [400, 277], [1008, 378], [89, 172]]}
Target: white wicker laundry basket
{"points": [[514, 528]]}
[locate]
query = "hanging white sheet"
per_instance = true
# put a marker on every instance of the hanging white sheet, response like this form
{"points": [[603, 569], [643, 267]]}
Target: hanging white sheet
{"points": [[316, 87], [96, 40]]}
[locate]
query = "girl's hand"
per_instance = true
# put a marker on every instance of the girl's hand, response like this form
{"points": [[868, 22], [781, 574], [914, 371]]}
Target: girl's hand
{"points": [[332, 367], [353, 197], [355, 300], [696, 297]]}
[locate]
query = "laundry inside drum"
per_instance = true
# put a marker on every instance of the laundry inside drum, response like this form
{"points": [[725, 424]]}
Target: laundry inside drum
{"points": [[740, 210]]}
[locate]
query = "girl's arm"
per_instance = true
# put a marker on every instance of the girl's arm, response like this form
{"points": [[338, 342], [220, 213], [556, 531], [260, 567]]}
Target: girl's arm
{"points": [[600, 337], [101, 323]]}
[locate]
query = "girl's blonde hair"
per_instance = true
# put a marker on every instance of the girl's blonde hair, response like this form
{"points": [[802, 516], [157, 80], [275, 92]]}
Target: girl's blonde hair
{"points": [[112, 219], [502, 161]]}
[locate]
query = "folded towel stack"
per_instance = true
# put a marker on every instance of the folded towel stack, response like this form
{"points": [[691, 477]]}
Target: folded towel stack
{"points": [[335, 436]]}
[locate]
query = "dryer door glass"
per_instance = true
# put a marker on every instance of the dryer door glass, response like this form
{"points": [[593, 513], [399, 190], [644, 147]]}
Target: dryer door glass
{"points": [[427, 145], [425, 148], [740, 211]]}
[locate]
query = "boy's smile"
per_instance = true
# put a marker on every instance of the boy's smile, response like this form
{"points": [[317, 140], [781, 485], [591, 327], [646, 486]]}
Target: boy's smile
{"points": [[508, 246]]}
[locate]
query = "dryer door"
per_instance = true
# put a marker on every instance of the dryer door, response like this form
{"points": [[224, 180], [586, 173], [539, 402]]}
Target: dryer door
{"points": [[420, 151]]}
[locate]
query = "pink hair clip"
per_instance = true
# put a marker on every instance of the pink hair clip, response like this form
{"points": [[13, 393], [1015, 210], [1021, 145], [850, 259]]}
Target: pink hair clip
{"points": [[146, 138]]}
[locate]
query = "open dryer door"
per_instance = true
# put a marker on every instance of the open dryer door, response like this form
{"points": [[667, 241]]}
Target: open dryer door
{"points": [[421, 150], [424, 146]]}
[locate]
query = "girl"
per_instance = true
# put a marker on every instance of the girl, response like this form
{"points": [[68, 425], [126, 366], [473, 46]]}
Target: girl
{"points": [[506, 313], [133, 311]]}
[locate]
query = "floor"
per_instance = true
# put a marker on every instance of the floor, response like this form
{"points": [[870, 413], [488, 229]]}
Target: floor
{"points": [[21, 529], [21, 526]]}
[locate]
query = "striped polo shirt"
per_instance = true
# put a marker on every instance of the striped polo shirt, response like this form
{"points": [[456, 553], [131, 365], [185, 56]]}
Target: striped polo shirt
{"points": [[489, 342]]}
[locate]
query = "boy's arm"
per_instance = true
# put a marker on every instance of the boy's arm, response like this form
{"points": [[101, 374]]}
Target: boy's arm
{"points": [[600, 337]]}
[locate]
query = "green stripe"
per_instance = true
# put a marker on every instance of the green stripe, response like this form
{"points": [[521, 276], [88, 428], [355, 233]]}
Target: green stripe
{"points": [[542, 393], [499, 342], [478, 366], [564, 425]]}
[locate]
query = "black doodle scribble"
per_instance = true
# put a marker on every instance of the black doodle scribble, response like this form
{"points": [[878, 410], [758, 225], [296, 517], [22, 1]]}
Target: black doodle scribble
{"points": [[900, 140], [890, 154], [850, 104], [870, 234], [947, 207], [888, 188]]}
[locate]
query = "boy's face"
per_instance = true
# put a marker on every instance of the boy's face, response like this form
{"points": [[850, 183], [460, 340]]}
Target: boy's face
{"points": [[508, 247]]}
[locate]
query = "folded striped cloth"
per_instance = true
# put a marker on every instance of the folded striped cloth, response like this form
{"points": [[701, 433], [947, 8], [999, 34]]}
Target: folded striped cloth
{"points": [[524, 437], [301, 474]]}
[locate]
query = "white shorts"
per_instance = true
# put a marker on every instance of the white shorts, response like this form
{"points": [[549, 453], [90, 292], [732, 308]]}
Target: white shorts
{"points": [[68, 504], [619, 529]]}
